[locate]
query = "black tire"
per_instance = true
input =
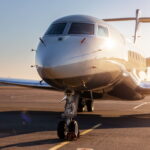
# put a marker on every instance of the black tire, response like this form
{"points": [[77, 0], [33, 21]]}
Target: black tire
{"points": [[73, 133], [90, 105], [62, 130], [81, 109]]}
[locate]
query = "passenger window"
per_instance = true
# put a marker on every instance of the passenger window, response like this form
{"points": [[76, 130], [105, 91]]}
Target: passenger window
{"points": [[57, 28], [102, 31]]}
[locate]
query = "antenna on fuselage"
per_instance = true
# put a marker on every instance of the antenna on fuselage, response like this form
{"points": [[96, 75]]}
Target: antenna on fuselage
{"points": [[137, 24]]}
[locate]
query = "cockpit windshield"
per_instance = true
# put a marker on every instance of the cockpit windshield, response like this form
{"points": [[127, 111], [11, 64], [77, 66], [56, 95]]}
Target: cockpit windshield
{"points": [[81, 28], [57, 28]]}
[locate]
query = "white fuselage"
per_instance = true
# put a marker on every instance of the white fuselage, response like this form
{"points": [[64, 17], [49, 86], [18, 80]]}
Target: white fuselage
{"points": [[83, 61]]}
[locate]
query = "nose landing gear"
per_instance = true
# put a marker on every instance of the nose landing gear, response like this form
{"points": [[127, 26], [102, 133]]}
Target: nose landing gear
{"points": [[68, 128]]}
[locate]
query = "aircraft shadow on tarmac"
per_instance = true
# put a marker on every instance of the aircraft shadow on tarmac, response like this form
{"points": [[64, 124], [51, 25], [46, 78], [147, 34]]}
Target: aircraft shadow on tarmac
{"points": [[16, 123]]}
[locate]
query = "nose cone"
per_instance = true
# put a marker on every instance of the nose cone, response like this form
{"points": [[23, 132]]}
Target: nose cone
{"points": [[62, 58], [56, 52], [52, 62]]}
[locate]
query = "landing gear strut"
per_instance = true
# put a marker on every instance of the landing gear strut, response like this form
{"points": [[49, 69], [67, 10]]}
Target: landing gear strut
{"points": [[68, 128]]}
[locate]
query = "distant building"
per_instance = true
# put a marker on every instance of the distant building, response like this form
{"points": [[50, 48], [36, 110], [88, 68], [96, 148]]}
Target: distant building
{"points": [[148, 62], [148, 68]]}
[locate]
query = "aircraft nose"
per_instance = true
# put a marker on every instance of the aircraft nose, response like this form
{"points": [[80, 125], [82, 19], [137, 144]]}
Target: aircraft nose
{"points": [[55, 59], [58, 55], [55, 70]]}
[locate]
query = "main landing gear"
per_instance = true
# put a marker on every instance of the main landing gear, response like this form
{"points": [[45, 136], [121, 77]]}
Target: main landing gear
{"points": [[68, 127], [85, 104]]}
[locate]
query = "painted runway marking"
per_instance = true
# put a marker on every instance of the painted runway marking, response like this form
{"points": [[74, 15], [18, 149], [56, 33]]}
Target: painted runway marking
{"points": [[85, 149], [89, 130], [56, 147], [144, 103], [59, 145]]}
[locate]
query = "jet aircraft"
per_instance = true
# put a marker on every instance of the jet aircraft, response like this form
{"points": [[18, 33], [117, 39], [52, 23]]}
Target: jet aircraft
{"points": [[87, 59]]}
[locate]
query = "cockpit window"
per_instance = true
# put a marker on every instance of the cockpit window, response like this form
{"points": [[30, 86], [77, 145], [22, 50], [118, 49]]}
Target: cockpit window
{"points": [[57, 28], [81, 28], [102, 31]]}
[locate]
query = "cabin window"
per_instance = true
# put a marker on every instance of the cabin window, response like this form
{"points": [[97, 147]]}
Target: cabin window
{"points": [[81, 28], [57, 28], [102, 31]]}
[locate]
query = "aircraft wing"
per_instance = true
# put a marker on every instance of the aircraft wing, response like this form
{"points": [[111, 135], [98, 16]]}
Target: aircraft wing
{"points": [[141, 19], [144, 88], [138, 19], [26, 83]]}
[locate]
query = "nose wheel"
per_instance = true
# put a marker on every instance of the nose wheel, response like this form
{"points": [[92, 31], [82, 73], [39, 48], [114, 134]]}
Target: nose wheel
{"points": [[62, 129], [70, 132], [68, 128]]}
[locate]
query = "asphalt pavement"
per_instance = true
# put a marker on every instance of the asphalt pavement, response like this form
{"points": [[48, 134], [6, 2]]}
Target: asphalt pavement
{"points": [[29, 117]]}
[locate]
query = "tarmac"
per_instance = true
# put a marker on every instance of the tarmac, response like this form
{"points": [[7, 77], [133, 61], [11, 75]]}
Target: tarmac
{"points": [[29, 117]]}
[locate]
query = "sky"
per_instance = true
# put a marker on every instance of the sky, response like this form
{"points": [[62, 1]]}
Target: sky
{"points": [[22, 22]]}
